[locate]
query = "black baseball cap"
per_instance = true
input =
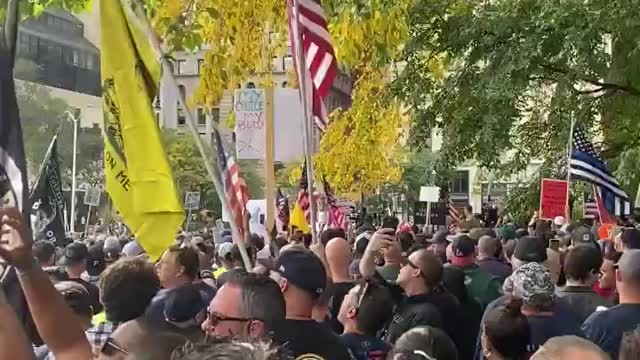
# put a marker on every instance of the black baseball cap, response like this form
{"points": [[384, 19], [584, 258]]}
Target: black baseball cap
{"points": [[74, 253], [95, 260], [530, 249], [463, 246], [631, 238], [304, 270], [184, 307], [582, 235]]}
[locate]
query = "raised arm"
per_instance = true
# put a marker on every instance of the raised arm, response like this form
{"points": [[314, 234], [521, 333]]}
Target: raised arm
{"points": [[382, 238], [13, 341], [47, 306]]}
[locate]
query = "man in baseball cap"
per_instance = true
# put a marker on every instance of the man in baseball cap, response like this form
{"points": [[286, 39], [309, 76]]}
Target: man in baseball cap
{"points": [[74, 260], [302, 279], [482, 286], [533, 284]]}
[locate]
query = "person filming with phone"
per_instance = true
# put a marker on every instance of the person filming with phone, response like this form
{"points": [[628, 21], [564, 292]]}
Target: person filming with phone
{"points": [[419, 277]]}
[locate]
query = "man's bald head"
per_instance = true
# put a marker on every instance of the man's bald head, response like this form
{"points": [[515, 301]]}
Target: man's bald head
{"points": [[338, 254], [487, 246]]}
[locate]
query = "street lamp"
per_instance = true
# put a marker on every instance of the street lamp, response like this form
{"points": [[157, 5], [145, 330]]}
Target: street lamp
{"points": [[73, 169]]}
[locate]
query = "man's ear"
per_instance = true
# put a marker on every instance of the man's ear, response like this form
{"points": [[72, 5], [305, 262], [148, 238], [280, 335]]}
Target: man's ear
{"points": [[257, 329], [352, 312], [181, 271], [284, 285]]}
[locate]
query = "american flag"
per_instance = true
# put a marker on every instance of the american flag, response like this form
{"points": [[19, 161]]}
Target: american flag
{"points": [[453, 212], [303, 194], [587, 165], [282, 208], [336, 216], [309, 29], [590, 208], [235, 189]]}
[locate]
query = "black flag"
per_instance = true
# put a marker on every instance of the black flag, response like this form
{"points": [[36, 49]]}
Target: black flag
{"points": [[13, 173], [47, 202]]}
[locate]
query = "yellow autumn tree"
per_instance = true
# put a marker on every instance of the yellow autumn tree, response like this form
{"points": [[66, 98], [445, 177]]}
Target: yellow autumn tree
{"points": [[361, 149]]}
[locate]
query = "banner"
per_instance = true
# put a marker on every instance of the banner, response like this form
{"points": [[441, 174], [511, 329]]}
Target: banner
{"points": [[554, 198], [250, 119], [47, 209], [137, 173], [13, 173]]}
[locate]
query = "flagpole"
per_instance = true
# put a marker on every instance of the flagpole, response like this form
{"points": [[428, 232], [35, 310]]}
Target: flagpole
{"points": [[73, 172], [569, 151], [44, 162], [167, 72], [307, 123]]}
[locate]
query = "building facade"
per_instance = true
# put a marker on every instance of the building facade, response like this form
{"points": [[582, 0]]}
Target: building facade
{"points": [[52, 51], [186, 70]]}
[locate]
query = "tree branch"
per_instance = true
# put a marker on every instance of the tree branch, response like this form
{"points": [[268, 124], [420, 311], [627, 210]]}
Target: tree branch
{"points": [[609, 88]]}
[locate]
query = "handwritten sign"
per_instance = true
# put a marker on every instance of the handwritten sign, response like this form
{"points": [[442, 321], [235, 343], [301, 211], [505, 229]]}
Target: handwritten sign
{"points": [[250, 118], [554, 197]]}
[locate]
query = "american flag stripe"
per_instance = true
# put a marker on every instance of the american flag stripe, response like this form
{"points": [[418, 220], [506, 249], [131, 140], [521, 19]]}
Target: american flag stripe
{"points": [[336, 215], [320, 65], [586, 165], [453, 212], [235, 189]]}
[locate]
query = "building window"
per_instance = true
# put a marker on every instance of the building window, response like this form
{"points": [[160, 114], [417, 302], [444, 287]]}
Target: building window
{"points": [[181, 67], [251, 85], [215, 115], [288, 63], [202, 117], [460, 182], [200, 64], [277, 64], [90, 62], [181, 115]]}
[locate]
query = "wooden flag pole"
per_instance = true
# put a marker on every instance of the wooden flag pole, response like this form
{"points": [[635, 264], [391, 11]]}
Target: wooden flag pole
{"points": [[569, 151], [307, 122], [167, 71], [269, 174]]}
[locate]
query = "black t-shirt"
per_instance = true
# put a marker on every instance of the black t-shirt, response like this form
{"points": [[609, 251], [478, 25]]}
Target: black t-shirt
{"points": [[309, 340], [413, 311], [94, 294], [366, 347], [339, 291]]}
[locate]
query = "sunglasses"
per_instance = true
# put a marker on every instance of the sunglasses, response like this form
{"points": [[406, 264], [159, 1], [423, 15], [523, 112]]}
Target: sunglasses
{"points": [[111, 348], [362, 292], [406, 261], [215, 319]]}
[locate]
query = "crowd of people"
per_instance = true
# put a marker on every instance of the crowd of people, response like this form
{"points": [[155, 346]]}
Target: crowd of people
{"points": [[552, 290]]}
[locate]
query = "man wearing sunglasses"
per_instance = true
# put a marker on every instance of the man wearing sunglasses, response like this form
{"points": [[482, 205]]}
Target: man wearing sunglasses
{"points": [[247, 306], [420, 279]]}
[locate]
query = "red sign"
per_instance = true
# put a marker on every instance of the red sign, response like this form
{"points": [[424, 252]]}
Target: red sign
{"points": [[554, 197]]}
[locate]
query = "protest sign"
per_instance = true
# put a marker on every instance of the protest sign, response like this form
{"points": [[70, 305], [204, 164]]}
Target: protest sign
{"points": [[192, 200], [250, 117], [554, 197]]}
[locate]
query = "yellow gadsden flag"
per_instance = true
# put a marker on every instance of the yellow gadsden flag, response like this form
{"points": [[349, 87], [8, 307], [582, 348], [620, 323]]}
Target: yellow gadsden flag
{"points": [[138, 175]]}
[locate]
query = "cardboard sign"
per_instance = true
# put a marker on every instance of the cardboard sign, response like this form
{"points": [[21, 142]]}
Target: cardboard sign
{"points": [[554, 197], [92, 196], [192, 201], [250, 119], [429, 193]]}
